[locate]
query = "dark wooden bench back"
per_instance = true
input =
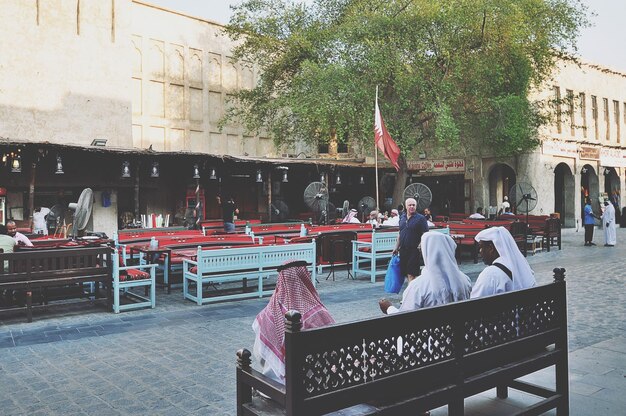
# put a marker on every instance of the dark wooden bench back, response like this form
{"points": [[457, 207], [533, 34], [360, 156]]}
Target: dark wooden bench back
{"points": [[33, 266], [409, 354]]}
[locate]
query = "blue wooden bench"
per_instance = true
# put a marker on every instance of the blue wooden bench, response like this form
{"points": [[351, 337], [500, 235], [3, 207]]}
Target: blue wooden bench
{"points": [[126, 278], [366, 253], [245, 264]]}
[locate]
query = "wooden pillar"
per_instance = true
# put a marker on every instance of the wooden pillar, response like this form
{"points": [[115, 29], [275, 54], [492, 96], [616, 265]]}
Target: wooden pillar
{"points": [[31, 194], [137, 216]]}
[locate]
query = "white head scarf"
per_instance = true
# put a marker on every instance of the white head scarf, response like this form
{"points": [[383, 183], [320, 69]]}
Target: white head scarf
{"points": [[510, 256], [351, 214], [440, 265]]}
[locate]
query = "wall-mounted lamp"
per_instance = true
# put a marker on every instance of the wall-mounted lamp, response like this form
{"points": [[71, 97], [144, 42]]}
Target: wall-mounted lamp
{"points": [[259, 176], [583, 170], [285, 178], [154, 172], [322, 177], [59, 170], [338, 179], [212, 174], [126, 169], [16, 164], [362, 180], [607, 171], [196, 171]]}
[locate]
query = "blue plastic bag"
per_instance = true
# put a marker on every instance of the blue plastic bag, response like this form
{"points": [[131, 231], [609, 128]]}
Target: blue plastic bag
{"points": [[394, 279]]}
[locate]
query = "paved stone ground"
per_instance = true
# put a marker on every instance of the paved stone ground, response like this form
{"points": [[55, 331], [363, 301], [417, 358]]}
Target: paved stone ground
{"points": [[179, 359]]}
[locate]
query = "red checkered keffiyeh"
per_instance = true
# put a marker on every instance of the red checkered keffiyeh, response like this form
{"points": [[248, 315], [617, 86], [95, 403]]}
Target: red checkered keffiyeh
{"points": [[294, 291]]}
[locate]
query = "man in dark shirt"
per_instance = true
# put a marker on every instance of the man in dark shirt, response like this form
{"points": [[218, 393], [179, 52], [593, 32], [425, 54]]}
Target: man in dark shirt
{"points": [[412, 226], [229, 210]]}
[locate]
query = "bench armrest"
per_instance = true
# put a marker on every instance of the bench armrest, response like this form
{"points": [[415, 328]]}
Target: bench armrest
{"points": [[141, 266]]}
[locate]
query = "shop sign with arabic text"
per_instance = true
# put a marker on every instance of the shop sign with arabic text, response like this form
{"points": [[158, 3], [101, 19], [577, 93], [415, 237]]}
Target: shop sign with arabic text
{"points": [[438, 165]]}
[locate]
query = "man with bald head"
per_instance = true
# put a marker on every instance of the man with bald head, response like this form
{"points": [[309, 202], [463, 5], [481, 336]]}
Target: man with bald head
{"points": [[19, 238], [412, 226]]}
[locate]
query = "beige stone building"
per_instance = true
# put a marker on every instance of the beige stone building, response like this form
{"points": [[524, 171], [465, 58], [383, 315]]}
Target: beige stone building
{"points": [[103, 84]]}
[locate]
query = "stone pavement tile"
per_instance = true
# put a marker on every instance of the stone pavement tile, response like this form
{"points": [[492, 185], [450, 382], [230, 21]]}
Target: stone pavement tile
{"points": [[41, 338], [617, 344], [584, 406]]}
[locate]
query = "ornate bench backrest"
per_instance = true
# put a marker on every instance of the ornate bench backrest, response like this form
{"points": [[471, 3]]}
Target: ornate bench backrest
{"points": [[404, 353]]}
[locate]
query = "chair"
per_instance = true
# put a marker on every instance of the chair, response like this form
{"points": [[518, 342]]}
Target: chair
{"points": [[521, 233], [335, 248]]}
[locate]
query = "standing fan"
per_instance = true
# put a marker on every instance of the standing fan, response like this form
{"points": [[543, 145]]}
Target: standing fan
{"points": [[316, 198], [345, 208], [523, 197], [82, 211], [421, 193], [366, 205], [280, 210]]}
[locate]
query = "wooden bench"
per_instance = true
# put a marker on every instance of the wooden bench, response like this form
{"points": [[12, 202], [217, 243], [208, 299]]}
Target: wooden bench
{"points": [[243, 264], [43, 269], [410, 362]]}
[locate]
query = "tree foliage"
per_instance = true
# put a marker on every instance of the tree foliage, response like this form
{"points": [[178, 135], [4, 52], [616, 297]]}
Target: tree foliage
{"points": [[453, 73]]}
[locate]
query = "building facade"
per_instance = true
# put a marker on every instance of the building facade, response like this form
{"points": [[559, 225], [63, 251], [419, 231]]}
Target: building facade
{"points": [[119, 86]]}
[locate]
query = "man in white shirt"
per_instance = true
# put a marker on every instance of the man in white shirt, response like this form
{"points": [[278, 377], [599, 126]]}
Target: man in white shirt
{"points": [[441, 280], [373, 219], [478, 215], [608, 222], [19, 238], [39, 220], [393, 220], [506, 270]]}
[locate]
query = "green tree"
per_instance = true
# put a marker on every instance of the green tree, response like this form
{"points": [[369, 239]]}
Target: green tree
{"points": [[452, 73]]}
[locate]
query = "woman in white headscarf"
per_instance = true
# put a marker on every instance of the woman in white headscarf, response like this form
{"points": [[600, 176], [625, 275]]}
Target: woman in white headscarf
{"points": [[440, 282], [507, 269]]}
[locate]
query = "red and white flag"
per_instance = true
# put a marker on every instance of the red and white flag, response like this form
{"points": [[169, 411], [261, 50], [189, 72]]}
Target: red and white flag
{"points": [[383, 140]]}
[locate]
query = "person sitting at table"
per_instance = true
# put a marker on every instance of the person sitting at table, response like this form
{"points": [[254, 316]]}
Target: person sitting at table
{"points": [[19, 238], [7, 245], [393, 220], [294, 290], [351, 218], [440, 282]]}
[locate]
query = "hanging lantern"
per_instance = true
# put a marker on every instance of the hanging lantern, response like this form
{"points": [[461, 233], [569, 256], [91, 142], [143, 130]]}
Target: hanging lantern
{"points": [[196, 171], [285, 178], [259, 176], [59, 170], [213, 174], [322, 177], [126, 169], [361, 180], [338, 179], [154, 172], [16, 164]]}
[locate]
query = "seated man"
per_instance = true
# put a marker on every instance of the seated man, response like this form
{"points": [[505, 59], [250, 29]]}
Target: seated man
{"points": [[478, 215], [373, 219], [19, 238], [393, 220], [507, 211], [506, 270], [441, 280], [351, 218], [294, 290]]}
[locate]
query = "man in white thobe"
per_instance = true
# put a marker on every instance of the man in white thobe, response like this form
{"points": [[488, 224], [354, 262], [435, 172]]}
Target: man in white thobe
{"points": [[440, 282], [506, 270], [608, 222]]}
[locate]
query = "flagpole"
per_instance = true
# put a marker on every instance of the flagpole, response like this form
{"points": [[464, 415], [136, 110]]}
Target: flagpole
{"points": [[376, 160]]}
